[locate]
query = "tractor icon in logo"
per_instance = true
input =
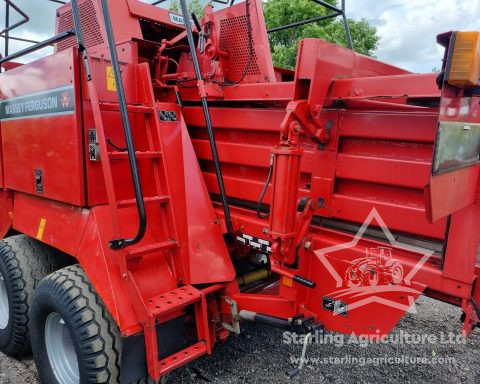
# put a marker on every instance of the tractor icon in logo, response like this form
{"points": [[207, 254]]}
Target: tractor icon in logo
{"points": [[377, 268]]}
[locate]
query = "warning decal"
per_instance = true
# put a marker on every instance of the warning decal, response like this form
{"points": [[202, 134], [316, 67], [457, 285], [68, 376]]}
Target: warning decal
{"points": [[111, 84]]}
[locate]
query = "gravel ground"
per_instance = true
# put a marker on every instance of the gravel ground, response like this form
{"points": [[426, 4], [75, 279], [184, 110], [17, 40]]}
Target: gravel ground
{"points": [[259, 355]]}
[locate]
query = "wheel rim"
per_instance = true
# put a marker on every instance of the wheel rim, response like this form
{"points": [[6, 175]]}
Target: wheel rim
{"points": [[4, 304], [60, 350]]}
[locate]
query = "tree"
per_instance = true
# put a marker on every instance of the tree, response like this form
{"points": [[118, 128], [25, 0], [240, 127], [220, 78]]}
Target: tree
{"points": [[194, 6], [284, 44]]}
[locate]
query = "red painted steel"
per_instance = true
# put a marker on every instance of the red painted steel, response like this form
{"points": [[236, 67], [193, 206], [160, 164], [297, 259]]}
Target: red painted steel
{"points": [[349, 135]]}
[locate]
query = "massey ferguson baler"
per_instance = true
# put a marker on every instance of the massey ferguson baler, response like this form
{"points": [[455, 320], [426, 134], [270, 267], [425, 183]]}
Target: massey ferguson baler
{"points": [[162, 182]]}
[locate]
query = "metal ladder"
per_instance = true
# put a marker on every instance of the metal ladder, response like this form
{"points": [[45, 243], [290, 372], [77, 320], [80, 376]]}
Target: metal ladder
{"points": [[149, 311]]}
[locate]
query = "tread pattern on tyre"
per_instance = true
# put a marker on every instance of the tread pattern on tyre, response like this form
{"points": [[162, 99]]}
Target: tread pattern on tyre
{"points": [[27, 261], [99, 336]]}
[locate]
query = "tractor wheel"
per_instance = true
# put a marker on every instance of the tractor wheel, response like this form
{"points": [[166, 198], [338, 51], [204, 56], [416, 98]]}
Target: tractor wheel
{"points": [[370, 277], [353, 277], [74, 338], [23, 263], [396, 273]]}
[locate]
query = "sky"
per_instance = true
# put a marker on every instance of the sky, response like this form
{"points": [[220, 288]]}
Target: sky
{"points": [[407, 28]]}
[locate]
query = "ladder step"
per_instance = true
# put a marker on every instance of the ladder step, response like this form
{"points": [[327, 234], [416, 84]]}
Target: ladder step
{"points": [[183, 357], [117, 155], [151, 199], [142, 251], [171, 301]]}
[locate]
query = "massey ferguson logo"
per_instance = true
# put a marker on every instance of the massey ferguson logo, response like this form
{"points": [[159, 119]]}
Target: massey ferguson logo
{"points": [[65, 99], [52, 102], [369, 279]]}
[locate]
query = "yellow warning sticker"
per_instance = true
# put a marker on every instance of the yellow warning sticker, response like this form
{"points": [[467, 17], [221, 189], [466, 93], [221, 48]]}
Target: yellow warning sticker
{"points": [[41, 228], [111, 84]]}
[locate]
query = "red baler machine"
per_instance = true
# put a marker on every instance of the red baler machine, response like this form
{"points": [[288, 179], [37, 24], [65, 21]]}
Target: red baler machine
{"points": [[196, 185]]}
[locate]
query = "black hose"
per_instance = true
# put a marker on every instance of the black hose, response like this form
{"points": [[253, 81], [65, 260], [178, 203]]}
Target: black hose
{"points": [[110, 142], [262, 195]]}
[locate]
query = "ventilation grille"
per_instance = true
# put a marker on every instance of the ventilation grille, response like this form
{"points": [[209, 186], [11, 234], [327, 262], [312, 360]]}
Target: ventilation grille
{"points": [[234, 40], [91, 28]]}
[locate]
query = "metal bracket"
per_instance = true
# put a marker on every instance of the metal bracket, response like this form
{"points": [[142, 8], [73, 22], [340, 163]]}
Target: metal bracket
{"points": [[298, 118], [235, 326]]}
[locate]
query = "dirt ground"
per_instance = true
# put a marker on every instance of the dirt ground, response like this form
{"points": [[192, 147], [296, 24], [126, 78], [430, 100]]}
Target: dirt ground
{"points": [[260, 355]]}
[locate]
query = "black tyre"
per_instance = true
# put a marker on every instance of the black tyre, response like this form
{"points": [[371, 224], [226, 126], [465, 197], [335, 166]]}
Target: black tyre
{"points": [[23, 263], [74, 337]]}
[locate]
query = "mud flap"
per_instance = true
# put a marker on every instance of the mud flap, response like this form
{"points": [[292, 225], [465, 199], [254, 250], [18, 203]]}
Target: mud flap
{"points": [[170, 340]]}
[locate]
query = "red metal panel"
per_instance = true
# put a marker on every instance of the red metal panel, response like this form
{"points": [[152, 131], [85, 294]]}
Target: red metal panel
{"points": [[243, 154], [400, 150], [365, 319], [6, 211], [90, 15], [244, 119], [419, 127], [387, 87], [397, 218], [93, 25], [465, 247], [150, 12], [412, 174], [58, 224], [50, 142], [265, 92], [384, 161], [209, 260], [451, 191], [333, 61]]}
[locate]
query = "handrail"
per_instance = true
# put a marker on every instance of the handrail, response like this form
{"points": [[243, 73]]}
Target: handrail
{"points": [[335, 13], [122, 243], [5, 33], [36, 47]]}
